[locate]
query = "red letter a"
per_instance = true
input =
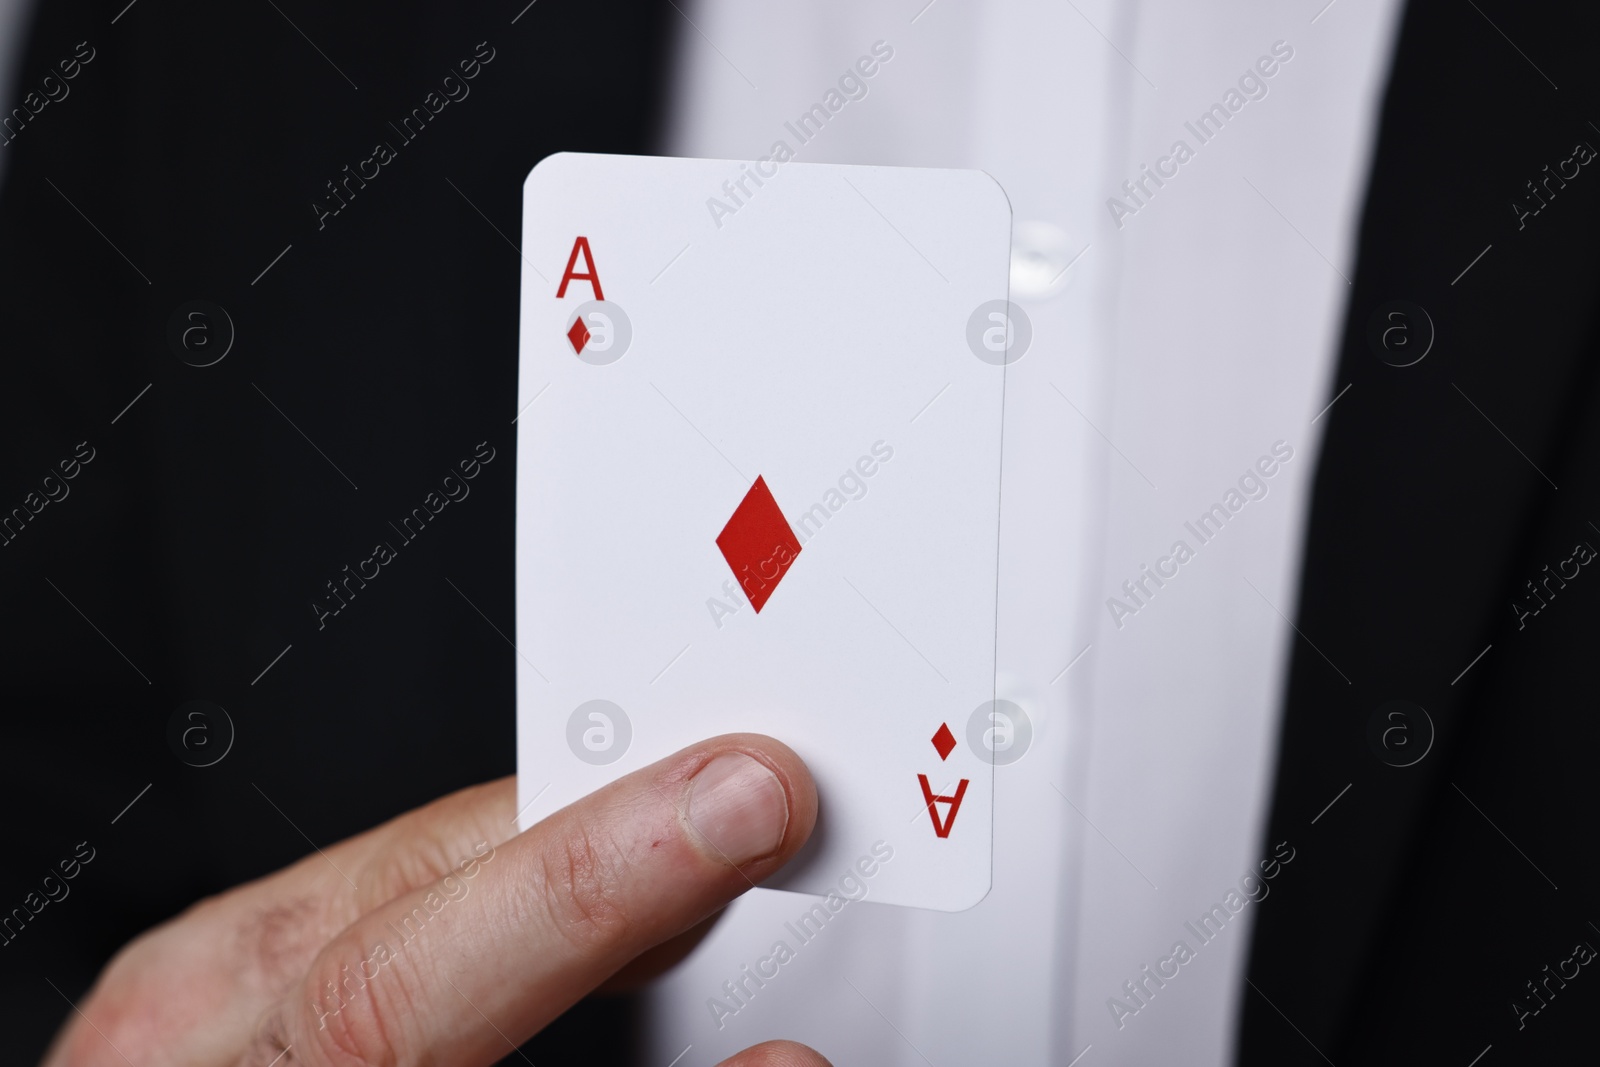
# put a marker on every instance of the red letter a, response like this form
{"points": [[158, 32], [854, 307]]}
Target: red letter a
{"points": [[593, 277], [942, 829]]}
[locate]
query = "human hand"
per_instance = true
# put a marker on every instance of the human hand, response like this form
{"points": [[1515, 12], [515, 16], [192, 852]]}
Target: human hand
{"points": [[444, 937]]}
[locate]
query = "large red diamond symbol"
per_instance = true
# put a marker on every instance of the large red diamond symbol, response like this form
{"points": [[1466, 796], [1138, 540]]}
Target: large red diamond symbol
{"points": [[758, 544], [578, 335], [944, 741]]}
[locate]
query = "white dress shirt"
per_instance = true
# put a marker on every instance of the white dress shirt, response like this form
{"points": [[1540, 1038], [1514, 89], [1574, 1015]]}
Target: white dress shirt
{"points": [[1184, 325]]}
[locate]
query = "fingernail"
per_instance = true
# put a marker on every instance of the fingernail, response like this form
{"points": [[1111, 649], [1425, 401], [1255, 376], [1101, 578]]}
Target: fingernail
{"points": [[738, 807]]}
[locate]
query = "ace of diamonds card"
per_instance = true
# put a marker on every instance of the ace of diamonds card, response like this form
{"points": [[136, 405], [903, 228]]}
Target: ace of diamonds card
{"points": [[758, 489]]}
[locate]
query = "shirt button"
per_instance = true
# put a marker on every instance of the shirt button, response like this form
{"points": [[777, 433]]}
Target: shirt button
{"points": [[1040, 255]]}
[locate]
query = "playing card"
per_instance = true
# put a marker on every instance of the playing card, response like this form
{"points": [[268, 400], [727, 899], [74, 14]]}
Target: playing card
{"points": [[758, 489]]}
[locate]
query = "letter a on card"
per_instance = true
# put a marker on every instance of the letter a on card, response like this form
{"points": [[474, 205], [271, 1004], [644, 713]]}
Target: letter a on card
{"points": [[942, 828], [572, 275]]}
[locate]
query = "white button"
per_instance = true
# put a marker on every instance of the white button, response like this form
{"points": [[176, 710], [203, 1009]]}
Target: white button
{"points": [[1040, 255]]}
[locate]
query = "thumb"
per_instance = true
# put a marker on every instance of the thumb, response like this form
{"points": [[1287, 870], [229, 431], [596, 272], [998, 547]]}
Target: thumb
{"points": [[456, 972]]}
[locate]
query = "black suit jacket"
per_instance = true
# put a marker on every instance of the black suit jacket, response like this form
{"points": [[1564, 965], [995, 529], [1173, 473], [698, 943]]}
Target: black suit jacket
{"points": [[1421, 904], [199, 154]]}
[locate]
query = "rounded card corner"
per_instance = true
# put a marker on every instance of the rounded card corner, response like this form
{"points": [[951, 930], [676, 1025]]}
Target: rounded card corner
{"points": [[988, 887], [1005, 198], [554, 161]]}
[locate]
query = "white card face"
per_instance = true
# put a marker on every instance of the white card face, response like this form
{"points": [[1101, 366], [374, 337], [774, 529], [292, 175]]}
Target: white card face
{"points": [[769, 404]]}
